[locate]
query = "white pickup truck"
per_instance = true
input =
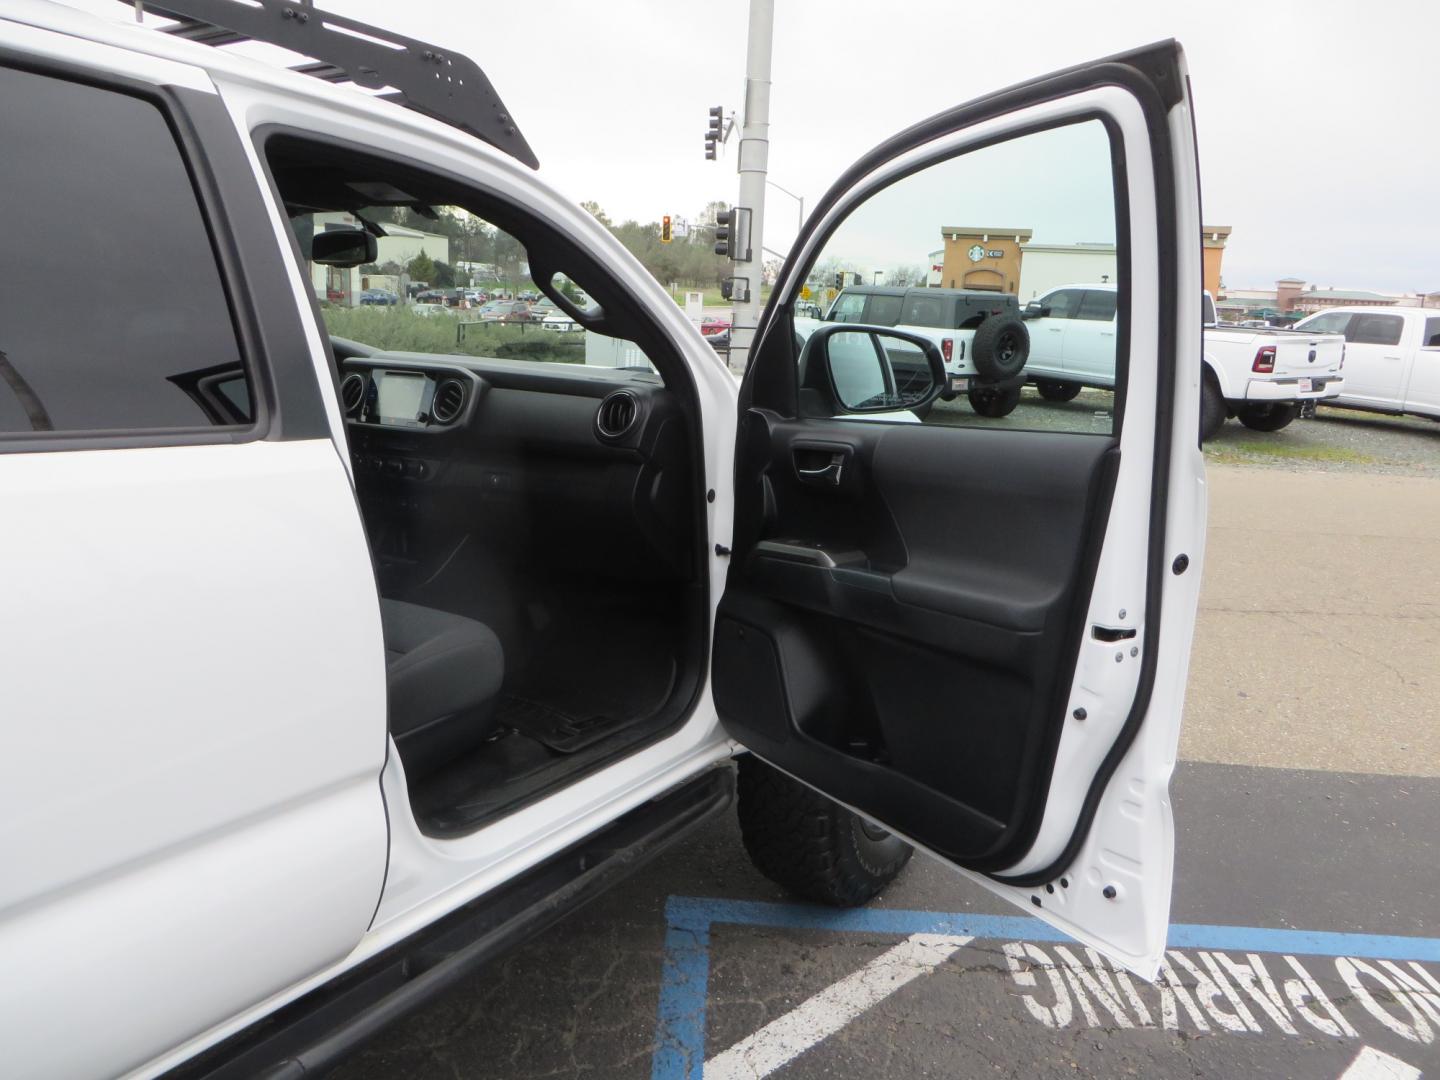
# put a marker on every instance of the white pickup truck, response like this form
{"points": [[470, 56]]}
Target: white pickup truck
{"points": [[1392, 357], [1261, 376], [980, 335]]}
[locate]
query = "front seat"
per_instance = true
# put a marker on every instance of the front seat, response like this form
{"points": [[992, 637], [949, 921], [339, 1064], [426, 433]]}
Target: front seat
{"points": [[444, 673]]}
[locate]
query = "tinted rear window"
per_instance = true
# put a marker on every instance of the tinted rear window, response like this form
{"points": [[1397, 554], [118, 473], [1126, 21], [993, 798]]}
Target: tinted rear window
{"points": [[1432, 333], [1098, 306], [884, 310], [925, 311], [1376, 330], [114, 317]]}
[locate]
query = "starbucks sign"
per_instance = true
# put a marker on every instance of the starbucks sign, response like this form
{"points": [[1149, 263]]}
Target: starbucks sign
{"points": [[978, 252]]}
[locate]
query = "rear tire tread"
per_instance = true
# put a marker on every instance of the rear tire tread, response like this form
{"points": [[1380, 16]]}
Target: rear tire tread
{"points": [[811, 845]]}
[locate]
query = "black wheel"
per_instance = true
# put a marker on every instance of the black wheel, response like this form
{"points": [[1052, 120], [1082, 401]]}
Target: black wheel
{"points": [[1053, 390], [810, 845], [992, 401], [1269, 417], [1000, 348], [1212, 407]]}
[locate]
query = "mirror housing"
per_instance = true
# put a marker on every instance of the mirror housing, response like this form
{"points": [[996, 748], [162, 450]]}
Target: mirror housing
{"points": [[855, 370], [343, 247], [1034, 310]]}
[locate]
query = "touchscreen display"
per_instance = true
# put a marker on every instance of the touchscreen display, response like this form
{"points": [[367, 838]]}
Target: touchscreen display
{"points": [[399, 396]]}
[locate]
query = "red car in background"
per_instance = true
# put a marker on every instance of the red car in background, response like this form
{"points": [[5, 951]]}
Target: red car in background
{"points": [[713, 324]]}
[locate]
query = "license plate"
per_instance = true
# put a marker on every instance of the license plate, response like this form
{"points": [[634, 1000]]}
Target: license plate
{"points": [[959, 383], [1305, 386]]}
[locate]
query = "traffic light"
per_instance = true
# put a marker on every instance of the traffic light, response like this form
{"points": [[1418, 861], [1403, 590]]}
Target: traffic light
{"points": [[839, 279], [724, 222], [666, 234], [713, 134]]}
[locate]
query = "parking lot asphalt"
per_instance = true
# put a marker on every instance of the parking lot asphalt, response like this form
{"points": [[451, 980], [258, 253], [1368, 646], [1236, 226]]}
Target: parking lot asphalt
{"points": [[1305, 803]]}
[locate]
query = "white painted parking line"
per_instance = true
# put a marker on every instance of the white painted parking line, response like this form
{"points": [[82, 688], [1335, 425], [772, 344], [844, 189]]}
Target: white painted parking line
{"points": [[1372, 1064], [789, 1036]]}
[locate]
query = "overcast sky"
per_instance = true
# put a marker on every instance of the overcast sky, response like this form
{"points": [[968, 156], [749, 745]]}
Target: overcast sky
{"points": [[1319, 121]]}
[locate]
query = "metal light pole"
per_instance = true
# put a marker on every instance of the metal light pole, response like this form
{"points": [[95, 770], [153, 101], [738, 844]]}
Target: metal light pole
{"points": [[753, 160]]}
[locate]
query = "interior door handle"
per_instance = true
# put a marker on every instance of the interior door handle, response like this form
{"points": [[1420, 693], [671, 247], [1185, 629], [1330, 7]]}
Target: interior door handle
{"points": [[828, 475], [822, 466]]}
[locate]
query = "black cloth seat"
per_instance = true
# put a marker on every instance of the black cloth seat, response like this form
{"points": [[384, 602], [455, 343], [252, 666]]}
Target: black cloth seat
{"points": [[444, 674]]}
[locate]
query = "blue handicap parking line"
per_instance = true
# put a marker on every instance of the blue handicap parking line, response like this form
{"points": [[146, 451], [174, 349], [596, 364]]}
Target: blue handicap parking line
{"points": [[685, 975]]}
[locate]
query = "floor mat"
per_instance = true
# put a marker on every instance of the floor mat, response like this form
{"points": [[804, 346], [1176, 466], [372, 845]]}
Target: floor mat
{"points": [[558, 730]]}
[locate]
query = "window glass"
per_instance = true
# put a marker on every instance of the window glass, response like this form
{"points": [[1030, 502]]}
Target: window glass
{"points": [[1064, 304], [1332, 322], [922, 310], [448, 282], [884, 310], [1207, 310], [1376, 330], [848, 307], [971, 235], [1097, 306], [1431, 339], [113, 316]]}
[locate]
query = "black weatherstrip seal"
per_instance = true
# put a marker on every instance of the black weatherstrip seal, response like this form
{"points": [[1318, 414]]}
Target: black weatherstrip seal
{"points": [[255, 272]]}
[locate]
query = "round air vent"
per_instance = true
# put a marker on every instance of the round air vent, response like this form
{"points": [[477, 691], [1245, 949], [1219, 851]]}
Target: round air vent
{"points": [[449, 400], [617, 414], [352, 392]]}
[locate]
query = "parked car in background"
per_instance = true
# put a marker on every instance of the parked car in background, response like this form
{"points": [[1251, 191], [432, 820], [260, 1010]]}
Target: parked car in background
{"points": [[980, 335], [542, 310], [430, 296], [477, 296], [506, 311], [1392, 357], [560, 323], [1261, 376], [713, 324], [378, 297], [808, 309]]}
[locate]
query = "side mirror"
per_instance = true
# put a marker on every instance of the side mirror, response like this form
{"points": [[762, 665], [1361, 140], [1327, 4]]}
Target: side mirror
{"points": [[343, 247], [863, 370], [1034, 310]]}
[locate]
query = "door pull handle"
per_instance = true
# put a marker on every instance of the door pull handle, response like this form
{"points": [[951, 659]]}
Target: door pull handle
{"points": [[826, 474]]}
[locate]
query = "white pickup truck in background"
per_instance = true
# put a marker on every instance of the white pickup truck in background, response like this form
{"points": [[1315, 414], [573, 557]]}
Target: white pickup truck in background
{"points": [[1261, 376], [1392, 357]]}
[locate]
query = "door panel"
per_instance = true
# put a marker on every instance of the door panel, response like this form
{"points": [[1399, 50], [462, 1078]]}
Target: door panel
{"points": [[980, 597], [904, 662]]}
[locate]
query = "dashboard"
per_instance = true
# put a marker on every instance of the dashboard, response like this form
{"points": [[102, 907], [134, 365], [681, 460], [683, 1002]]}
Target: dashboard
{"points": [[522, 452]]}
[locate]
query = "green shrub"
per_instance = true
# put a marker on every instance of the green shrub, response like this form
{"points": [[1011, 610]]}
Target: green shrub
{"points": [[398, 329]]}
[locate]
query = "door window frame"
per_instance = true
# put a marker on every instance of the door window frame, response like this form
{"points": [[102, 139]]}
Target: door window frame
{"points": [[862, 183]]}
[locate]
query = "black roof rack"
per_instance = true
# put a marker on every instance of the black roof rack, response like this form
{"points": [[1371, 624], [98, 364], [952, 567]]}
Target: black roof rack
{"points": [[444, 85]]}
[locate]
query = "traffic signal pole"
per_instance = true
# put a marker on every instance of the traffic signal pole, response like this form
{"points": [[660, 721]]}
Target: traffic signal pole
{"points": [[753, 159]]}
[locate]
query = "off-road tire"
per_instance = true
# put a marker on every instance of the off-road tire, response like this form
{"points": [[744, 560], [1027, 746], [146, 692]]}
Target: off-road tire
{"points": [[1000, 347], [994, 402], [1055, 390], [1212, 407], [1271, 417], [810, 845]]}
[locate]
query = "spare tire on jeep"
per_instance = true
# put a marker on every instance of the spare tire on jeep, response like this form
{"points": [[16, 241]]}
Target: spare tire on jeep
{"points": [[1000, 348]]}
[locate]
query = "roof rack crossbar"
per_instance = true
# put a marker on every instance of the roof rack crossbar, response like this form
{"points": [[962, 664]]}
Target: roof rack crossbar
{"points": [[446, 86]]}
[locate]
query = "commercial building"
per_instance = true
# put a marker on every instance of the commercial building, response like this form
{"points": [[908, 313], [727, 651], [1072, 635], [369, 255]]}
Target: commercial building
{"points": [[1212, 244], [1049, 266], [982, 258]]}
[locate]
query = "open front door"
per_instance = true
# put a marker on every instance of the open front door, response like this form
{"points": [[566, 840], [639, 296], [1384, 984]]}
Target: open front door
{"points": [[970, 618]]}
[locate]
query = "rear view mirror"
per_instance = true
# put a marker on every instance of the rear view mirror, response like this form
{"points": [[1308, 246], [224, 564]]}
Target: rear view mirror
{"points": [[343, 247], [863, 370]]}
